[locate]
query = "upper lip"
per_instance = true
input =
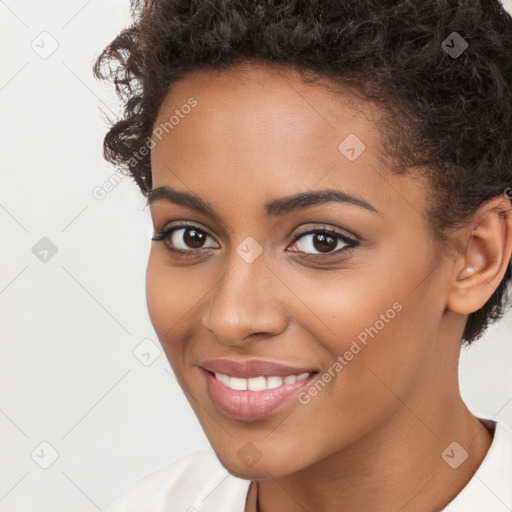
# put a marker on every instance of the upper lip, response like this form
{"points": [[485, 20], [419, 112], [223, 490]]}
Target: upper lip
{"points": [[252, 368]]}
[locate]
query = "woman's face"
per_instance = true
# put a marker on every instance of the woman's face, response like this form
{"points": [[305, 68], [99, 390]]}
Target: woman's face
{"points": [[369, 317]]}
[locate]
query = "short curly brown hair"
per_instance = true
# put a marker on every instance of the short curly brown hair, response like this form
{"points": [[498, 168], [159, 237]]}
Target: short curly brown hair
{"points": [[448, 114]]}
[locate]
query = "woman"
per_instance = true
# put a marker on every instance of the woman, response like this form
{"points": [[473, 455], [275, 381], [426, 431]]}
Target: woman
{"points": [[329, 184]]}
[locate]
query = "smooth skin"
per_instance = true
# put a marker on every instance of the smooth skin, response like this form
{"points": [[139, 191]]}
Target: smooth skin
{"points": [[372, 438]]}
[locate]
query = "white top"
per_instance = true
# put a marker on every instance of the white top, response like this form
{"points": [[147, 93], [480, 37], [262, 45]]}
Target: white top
{"points": [[197, 482]]}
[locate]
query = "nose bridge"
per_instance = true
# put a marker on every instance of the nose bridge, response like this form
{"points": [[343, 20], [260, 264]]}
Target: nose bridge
{"points": [[241, 303]]}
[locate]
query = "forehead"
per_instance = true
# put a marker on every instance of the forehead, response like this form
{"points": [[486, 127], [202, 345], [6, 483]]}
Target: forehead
{"points": [[272, 97], [259, 130]]}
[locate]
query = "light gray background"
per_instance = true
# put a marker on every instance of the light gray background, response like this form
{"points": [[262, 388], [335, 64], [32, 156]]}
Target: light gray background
{"points": [[69, 326]]}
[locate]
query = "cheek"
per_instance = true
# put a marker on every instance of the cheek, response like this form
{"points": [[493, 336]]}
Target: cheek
{"points": [[337, 309], [172, 293], [167, 297], [371, 334], [156, 296], [167, 305]]}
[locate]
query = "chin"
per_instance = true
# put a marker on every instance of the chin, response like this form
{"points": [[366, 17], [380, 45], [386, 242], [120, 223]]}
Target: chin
{"points": [[262, 469]]}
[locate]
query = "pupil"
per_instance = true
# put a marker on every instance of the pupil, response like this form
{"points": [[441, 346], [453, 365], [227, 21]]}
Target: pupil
{"points": [[190, 241], [326, 242]]}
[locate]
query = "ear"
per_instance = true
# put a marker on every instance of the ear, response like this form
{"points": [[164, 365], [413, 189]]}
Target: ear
{"points": [[487, 242]]}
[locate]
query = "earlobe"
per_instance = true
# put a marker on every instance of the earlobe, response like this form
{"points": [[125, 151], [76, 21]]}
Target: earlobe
{"points": [[486, 257]]}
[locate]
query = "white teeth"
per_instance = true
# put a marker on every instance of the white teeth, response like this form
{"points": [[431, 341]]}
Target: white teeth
{"points": [[223, 378], [274, 382], [258, 383], [238, 384]]}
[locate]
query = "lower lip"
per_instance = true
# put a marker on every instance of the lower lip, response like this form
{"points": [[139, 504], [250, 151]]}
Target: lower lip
{"points": [[252, 405]]}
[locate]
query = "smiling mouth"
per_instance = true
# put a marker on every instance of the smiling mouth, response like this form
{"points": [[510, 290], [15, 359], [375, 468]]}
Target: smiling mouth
{"points": [[254, 398]]}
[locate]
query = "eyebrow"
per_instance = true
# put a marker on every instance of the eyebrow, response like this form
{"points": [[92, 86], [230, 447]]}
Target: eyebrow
{"points": [[274, 207]]}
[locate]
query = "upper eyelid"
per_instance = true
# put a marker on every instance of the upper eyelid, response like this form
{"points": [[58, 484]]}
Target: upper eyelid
{"points": [[336, 231], [184, 225]]}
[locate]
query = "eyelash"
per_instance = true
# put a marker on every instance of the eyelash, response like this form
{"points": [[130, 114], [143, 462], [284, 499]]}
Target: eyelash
{"points": [[351, 242]]}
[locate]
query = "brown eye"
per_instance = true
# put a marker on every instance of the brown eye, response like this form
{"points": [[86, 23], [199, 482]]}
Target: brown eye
{"points": [[324, 243], [321, 241], [183, 238], [193, 238]]}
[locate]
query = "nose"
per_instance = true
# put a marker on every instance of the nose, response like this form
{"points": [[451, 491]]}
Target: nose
{"points": [[247, 300]]}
